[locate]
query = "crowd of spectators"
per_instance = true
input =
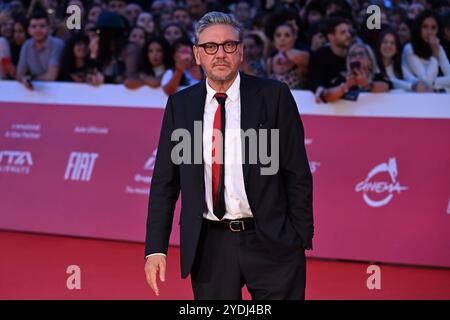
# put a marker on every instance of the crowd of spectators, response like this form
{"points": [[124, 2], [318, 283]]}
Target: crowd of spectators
{"points": [[325, 46]]}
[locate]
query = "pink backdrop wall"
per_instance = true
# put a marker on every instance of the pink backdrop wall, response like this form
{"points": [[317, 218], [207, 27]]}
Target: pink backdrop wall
{"points": [[381, 183]]}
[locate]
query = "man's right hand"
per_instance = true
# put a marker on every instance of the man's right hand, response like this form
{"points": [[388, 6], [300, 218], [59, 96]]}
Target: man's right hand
{"points": [[152, 266]]}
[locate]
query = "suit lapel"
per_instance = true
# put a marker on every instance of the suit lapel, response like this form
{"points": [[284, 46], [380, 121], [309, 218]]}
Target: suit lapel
{"points": [[250, 113], [198, 96]]}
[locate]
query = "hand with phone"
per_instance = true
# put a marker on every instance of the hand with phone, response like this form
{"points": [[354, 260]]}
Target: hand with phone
{"points": [[6, 66], [360, 76], [183, 59], [26, 81], [95, 78]]}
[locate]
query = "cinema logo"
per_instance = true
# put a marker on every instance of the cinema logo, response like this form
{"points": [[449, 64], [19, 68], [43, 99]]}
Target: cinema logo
{"points": [[13, 161], [381, 184], [150, 163], [80, 166]]}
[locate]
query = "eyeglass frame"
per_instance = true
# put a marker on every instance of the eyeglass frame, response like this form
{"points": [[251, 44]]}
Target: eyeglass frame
{"points": [[203, 45], [361, 54]]}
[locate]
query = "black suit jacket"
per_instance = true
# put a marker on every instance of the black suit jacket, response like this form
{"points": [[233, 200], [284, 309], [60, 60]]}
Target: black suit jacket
{"points": [[281, 203]]}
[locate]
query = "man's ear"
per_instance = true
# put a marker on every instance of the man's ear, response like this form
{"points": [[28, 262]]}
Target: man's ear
{"points": [[196, 54]]}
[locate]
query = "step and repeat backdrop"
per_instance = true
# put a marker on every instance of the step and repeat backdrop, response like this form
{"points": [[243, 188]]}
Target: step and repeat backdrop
{"points": [[77, 160]]}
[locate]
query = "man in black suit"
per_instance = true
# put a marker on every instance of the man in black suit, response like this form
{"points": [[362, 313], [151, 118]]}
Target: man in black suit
{"points": [[244, 220]]}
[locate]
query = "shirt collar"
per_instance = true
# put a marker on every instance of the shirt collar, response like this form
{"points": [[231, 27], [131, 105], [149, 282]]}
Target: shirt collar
{"points": [[232, 92], [46, 43]]}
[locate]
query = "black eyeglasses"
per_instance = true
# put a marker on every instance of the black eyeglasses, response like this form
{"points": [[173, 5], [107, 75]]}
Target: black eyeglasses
{"points": [[212, 47]]}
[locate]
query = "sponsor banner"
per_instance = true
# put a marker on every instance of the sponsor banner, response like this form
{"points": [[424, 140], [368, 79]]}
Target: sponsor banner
{"points": [[381, 184], [88, 174], [382, 188]]}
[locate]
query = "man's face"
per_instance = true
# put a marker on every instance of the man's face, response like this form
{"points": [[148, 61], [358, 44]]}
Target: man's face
{"points": [[447, 33], [197, 8], [7, 28], [172, 34], [220, 66], [251, 49], [182, 17], [38, 29], [342, 36], [145, 21], [243, 11], [17, 7], [132, 11], [117, 6], [94, 13]]}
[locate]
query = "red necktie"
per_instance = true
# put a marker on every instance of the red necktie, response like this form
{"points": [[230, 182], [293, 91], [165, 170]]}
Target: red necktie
{"points": [[218, 158]]}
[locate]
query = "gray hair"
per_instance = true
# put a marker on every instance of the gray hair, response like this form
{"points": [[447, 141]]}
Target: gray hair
{"points": [[370, 55], [214, 17]]}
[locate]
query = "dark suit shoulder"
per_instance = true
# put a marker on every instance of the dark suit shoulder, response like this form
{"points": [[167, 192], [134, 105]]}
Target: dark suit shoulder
{"points": [[188, 91], [188, 97]]}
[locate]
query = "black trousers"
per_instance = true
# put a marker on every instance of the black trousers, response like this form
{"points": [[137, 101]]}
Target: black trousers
{"points": [[226, 261]]}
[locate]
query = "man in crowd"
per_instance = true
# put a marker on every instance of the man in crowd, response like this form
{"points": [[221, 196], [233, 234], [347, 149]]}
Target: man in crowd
{"points": [[328, 62], [40, 55]]}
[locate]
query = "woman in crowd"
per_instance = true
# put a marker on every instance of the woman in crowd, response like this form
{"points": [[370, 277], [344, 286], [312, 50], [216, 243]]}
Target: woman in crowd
{"points": [[172, 32], [424, 58], [19, 37], [185, 71], [389, 60], [112, 58], [155, 61], [287, 64], [146, 22], [253, 63], [404, 32], [316, 36], [137, 36], [74, 59], [362, 74]]}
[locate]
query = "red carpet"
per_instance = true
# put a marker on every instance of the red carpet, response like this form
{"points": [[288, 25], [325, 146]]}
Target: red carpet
{"points": [[34, 267]]}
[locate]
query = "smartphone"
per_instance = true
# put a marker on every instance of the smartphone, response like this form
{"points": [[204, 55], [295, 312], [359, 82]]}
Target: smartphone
{"points": [[28, 81], [352, 95]]}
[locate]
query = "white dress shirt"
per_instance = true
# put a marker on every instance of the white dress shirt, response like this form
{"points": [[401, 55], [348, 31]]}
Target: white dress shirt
{"points": [[236, 202]]}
